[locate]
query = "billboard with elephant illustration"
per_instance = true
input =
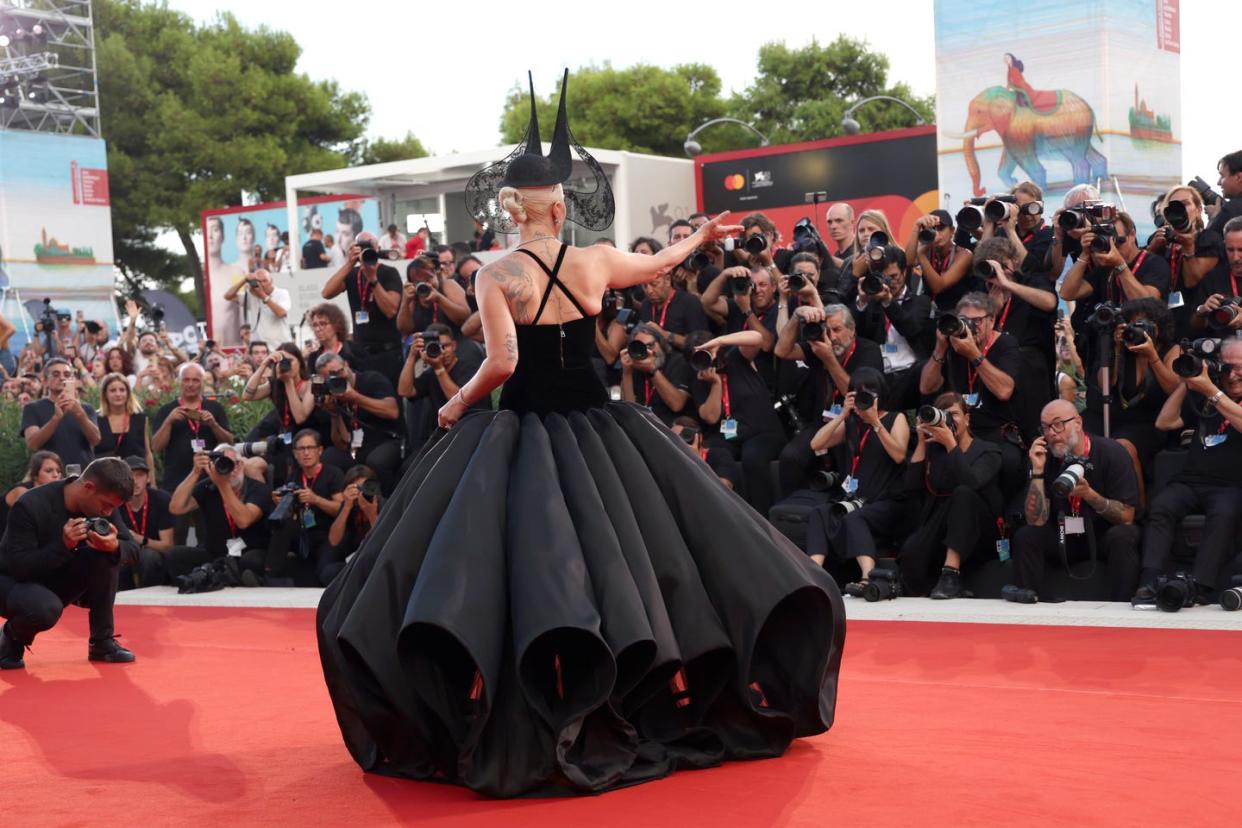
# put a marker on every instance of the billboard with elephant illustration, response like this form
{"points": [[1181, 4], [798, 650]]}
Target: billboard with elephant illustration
{"points": [[1061, 93]]}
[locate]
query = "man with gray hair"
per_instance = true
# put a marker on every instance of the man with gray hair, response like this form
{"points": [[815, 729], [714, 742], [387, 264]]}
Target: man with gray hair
{"points": [[187, 424], [1065, 243], [653, 376]]}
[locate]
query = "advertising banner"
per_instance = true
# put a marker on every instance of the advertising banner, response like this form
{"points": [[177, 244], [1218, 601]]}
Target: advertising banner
{"points": [[1059, 93], [55, 227], [894, 172], [238, 238]]}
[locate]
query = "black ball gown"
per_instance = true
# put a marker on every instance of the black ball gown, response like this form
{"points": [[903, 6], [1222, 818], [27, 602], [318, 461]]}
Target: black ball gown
{"points": [[561, 597]]}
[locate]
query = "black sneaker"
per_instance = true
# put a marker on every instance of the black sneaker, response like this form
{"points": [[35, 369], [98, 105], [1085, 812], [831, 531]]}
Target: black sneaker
{"points": [[1145, 596], [949, 585], [110, 652], [11, 651]]}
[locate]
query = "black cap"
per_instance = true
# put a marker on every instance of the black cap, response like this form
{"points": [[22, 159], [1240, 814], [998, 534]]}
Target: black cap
{"points": [[943, 215], [135, 462]]}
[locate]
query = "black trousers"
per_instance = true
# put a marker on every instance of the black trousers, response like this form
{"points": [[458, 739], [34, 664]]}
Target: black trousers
{"points": [[375, 358], [294, 551], [384, 458], [1118, 545], [961, 522], [855, 535], [31, 607], [903, 388], [755, 453], [1219, 504], [797, 460], [148, 571]]}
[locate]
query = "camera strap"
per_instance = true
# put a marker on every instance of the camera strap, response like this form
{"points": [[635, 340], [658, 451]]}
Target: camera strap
{"points": [[1175, 266], [862, 443], [364, 293], [1004, 317], [1091, 549], [845, 361], [664, 310]]}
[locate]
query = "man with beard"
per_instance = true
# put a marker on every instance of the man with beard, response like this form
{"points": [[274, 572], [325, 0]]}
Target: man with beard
{"points": [[1096, 517], [653, 377]]}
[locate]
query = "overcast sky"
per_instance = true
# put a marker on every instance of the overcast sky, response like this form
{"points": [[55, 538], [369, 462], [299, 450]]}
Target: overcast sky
{"points": [[442, 70]]}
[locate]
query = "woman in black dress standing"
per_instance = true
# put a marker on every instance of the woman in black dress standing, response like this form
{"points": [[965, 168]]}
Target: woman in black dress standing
{"points": [[560, 596], [123, 428]]}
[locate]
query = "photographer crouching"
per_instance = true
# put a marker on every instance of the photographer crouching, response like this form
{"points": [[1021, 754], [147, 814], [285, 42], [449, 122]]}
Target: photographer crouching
{"points": [[1209, 482], [62, 545], [305, 507], [148, 519], [1087, 511], [360, 505]]}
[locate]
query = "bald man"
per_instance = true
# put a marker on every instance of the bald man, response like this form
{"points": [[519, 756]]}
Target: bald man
{"points": [[1097, 514], [840, 221]]}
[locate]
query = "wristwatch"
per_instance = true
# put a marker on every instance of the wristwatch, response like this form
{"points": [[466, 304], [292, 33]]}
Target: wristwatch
{"points": [[977, 361], [1215, 398], [1031, 475]]}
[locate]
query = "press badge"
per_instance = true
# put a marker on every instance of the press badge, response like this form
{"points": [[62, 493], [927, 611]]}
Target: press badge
{"points": [[835, 411], [308, 519], [235, 546], [198, 445], [362, 318], [850, 485], [356, 440], [890, 348], [1074, 525], [1002, 549], [1210, 440], [972, 400], [728, 429], [1176, 300], [286, 437]]}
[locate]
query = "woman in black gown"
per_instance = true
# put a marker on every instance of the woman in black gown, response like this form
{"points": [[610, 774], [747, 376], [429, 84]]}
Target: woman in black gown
{"points": [[560, 596]]}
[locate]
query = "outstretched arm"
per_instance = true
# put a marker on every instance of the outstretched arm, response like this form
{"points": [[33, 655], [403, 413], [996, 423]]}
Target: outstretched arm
{"points": [[628, 269]]}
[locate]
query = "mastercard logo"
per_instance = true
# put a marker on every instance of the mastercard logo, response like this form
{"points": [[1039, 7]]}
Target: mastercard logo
{"points": [[734, 182]]}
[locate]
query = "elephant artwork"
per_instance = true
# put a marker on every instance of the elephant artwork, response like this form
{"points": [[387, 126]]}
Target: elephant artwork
{"points": [[1054, 124]]}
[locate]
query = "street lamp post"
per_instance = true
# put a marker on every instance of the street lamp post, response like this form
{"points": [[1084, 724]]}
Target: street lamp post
{"points": [[852, 127], [692, 146]]}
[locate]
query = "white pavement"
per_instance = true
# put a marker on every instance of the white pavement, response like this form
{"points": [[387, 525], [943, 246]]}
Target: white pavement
{"points": [[962, 611]]}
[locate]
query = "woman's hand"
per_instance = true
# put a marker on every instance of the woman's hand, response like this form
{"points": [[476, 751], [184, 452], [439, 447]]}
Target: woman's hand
{"points": [[1146, 349], [716, 229], [452, 411]]}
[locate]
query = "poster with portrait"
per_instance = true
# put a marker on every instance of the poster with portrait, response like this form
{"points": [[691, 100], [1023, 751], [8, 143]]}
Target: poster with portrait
{"points": [[240, 240], [1060, 93]]}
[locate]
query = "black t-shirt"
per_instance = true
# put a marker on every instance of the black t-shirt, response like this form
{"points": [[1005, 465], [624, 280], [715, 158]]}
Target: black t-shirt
{"points": [[131, 443], [749, 402], [863, 354], [1215, 455], [1149, 269], [311, 253], [677, 371], [149, 520], [1229, 208], [427, 315], [327, 483], [877, 475], [1208, 244], [379, 330], [1037, 244], [218, 526], [179, 453], [1112, 476], [1219, 280], [988, 413], [680, 314], [346, 352], [376, 429], [1031, 326], [735, 319], [946, 300], [67, 440]]}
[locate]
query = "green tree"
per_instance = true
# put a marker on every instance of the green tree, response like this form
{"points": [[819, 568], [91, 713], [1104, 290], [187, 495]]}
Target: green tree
{"points": [[383, 150], [640, 109], [195, 114], [801, 94]]}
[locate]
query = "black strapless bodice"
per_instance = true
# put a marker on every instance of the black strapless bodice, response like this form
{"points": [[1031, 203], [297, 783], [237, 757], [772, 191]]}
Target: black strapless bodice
{"points": [[541, 384]]}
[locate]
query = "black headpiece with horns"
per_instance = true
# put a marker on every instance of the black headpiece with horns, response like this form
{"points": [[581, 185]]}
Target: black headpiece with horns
{"points": [[589, 205]]}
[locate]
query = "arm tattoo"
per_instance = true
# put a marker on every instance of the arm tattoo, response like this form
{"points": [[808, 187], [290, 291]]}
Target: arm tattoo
{"points": [[511, 346], [1114, 511], [517, 286], [1036, 504]]}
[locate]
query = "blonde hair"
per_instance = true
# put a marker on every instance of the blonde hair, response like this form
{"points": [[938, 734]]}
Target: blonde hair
{"points": [[529, 203], [133, 407], [875, 217], [1194, 197]]}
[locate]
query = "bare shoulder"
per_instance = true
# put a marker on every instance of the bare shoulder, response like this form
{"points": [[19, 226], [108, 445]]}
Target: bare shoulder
{"points": [[510, 275]]}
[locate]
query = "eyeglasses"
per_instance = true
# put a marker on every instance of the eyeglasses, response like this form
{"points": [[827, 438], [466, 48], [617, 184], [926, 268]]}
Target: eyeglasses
{"points": [[306, 448], [1056, 426], [1229, 367]]}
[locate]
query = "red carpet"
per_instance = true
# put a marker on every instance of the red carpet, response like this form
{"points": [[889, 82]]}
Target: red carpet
{"points": [[224, 720]]}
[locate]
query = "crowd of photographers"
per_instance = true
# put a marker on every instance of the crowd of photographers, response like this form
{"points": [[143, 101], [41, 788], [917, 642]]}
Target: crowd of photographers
{"points": [[1001, 383]]}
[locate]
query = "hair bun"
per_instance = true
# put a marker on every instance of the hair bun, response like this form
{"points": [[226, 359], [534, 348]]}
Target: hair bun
{"points": [[511, 201]]}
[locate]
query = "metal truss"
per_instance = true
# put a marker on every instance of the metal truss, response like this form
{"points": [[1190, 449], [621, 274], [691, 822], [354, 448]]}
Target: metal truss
{"points": [[58, 66]]}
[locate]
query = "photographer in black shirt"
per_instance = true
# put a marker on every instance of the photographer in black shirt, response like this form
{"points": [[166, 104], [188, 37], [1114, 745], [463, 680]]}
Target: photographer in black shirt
{"points": [[62, 545], [957, 472], [675, 313], [431, 296], [150, 522], [866, 447], [1023, 226], [361, 502], [891, 312], [374, 293], [1095, 517], [434, 371], [1222, 210], [365, 416], [751, 303], [1210, 481], [654, 376], [719, 460], [945, 264], [1220, 312], [300, 553]]}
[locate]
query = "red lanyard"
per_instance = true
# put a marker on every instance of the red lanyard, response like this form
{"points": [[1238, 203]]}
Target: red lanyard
{"points": [[1175, 265], [858, 455], [1114, 282], [229, 518], [286, 416], [703, 454], [1075, 503], [364, 292], [836, 392], [193, 425], [124, 431], [971, 373], [648, 389], [1031, 234], [940, 265], [133, 521], [1000, 325], [724, 396], [309, 483], [664, 311]]}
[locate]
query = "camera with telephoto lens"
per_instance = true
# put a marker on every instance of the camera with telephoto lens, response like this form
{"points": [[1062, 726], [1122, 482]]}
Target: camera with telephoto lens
{"points": [[1136, 332], [864, 398], [701, 360], [288, 506], [1075, 472], [422, 290], [811, 331], [1086, 214], [638, 350], [969, 219], [873, 284], [1204, 190], [877, 256], [432, 348], [741, 285], [1176, 217], [1105, 315], [369, 253], [753, 244], [883, 583], [696, 261], [927, 235], [929, 415], [827, 481], [1195, 354], [687, 435], [223, 464], [1231, 599], [1102, 236], [1176, 592], [786, 407], [951, 325], [98, 525], [259, 448], [337, 384], [369, 489], [982, 269], [796, 281], [995, 208], [1226, 313], [805, 236], [840, 508]]}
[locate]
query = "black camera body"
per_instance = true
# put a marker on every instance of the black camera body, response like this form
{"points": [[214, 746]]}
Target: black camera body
{"points": [[864, 398], [98, 525], [827, 481], [1086, 214], [422, 290], [982, 270], [1103, 234], [1177, 217], [336, 385], [811, 331], [1195, 354], [1204, 190], [1135, 332], [951, 325], [805, 237], [701, 360], [696, 261], [1226, 313], [1176, 592], [369, 253], [285, 365], [927, 235], [883, 583], [796, 281], [431, 344], [222, 463], [638, 350], [369, 489], [873, 284], [288, 506], [1106, 315], [929, 415], [688, 434], [741, 285]]}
